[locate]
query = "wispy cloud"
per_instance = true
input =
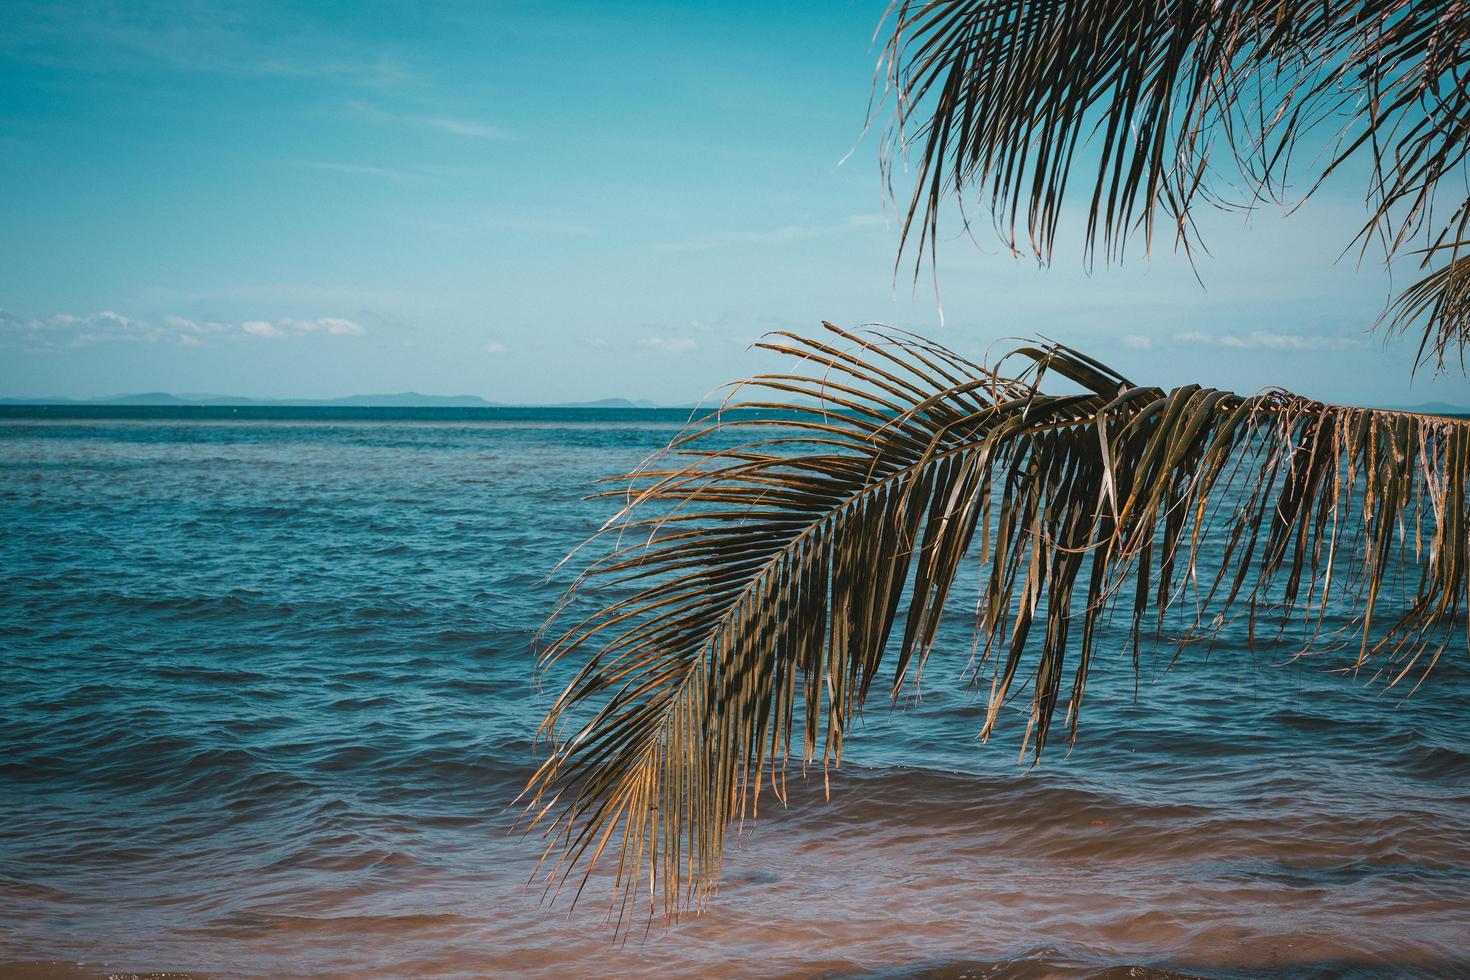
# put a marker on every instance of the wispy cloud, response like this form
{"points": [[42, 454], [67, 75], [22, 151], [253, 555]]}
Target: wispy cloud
{"points": [[359, 170], [198, 38], [776, 236], [671, 345], [471, 128], [1266, 340], [495, 347], [1135, 341], [534, 226], [66, 331], [461, 127], [359, 293]]}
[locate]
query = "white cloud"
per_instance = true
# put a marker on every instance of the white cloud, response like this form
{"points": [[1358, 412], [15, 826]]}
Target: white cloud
{"points": [[600, 343], [336, 326], [1265, 340], [107, 316], [187, 326], [1136, 341], [672, 345], [496, 348], [63, 331], [286, 327], [67, 331]]}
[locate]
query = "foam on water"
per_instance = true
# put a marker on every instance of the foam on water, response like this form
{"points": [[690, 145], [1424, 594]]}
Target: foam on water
{"points": [[268, 695]]}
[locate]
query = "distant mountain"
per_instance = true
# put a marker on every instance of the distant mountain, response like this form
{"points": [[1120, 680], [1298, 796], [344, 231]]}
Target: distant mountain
{"points": [[1436, 408], [146, 398], [607, 403], [404, 399]]}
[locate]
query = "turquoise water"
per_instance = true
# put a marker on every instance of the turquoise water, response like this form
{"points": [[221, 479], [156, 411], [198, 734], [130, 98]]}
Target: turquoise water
{"points": [[268, 694]]}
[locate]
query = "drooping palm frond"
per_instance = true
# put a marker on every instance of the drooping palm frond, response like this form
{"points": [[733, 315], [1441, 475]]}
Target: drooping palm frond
{"points": [[759, 585], [1440, 304], [1145, 101]]}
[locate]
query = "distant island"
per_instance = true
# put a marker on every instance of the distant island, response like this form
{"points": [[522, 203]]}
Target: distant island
{"points": [[404, 399], [1436, 408], [414, 399]]}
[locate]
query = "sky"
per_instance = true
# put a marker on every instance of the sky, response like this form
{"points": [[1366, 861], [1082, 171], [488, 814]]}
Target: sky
{"points": [[542, 202]]}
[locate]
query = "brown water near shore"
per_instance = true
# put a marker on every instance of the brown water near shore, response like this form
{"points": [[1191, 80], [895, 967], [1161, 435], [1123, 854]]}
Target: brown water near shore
{"points": [[904, 873]]}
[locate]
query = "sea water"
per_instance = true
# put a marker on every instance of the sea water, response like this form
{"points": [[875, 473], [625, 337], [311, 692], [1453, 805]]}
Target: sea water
{"points": [[268, 693]]}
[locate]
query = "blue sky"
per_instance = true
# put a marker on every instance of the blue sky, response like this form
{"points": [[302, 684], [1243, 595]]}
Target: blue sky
{"points": [[552, 201]]}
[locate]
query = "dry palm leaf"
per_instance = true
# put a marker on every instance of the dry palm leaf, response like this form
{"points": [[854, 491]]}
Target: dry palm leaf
{"points": [[759, 588]]}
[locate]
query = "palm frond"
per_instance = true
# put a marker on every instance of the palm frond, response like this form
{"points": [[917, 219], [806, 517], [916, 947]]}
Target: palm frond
{"points": [[1439, 303], [755, 589], [1153, 104]]}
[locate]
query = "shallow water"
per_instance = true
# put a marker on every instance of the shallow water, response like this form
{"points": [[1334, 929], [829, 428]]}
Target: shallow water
{"points": [[268, 694]]}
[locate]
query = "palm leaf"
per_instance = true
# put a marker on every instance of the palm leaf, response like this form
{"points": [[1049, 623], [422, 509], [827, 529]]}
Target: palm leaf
{"points": [[754, 591], [1155, 104]]}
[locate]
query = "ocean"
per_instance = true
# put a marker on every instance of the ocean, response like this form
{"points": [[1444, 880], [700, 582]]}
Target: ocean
{"points": [[269, 693]]}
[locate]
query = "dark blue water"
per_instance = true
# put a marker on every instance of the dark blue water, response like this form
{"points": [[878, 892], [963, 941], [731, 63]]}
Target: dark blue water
{"points": [[268, 692]]}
